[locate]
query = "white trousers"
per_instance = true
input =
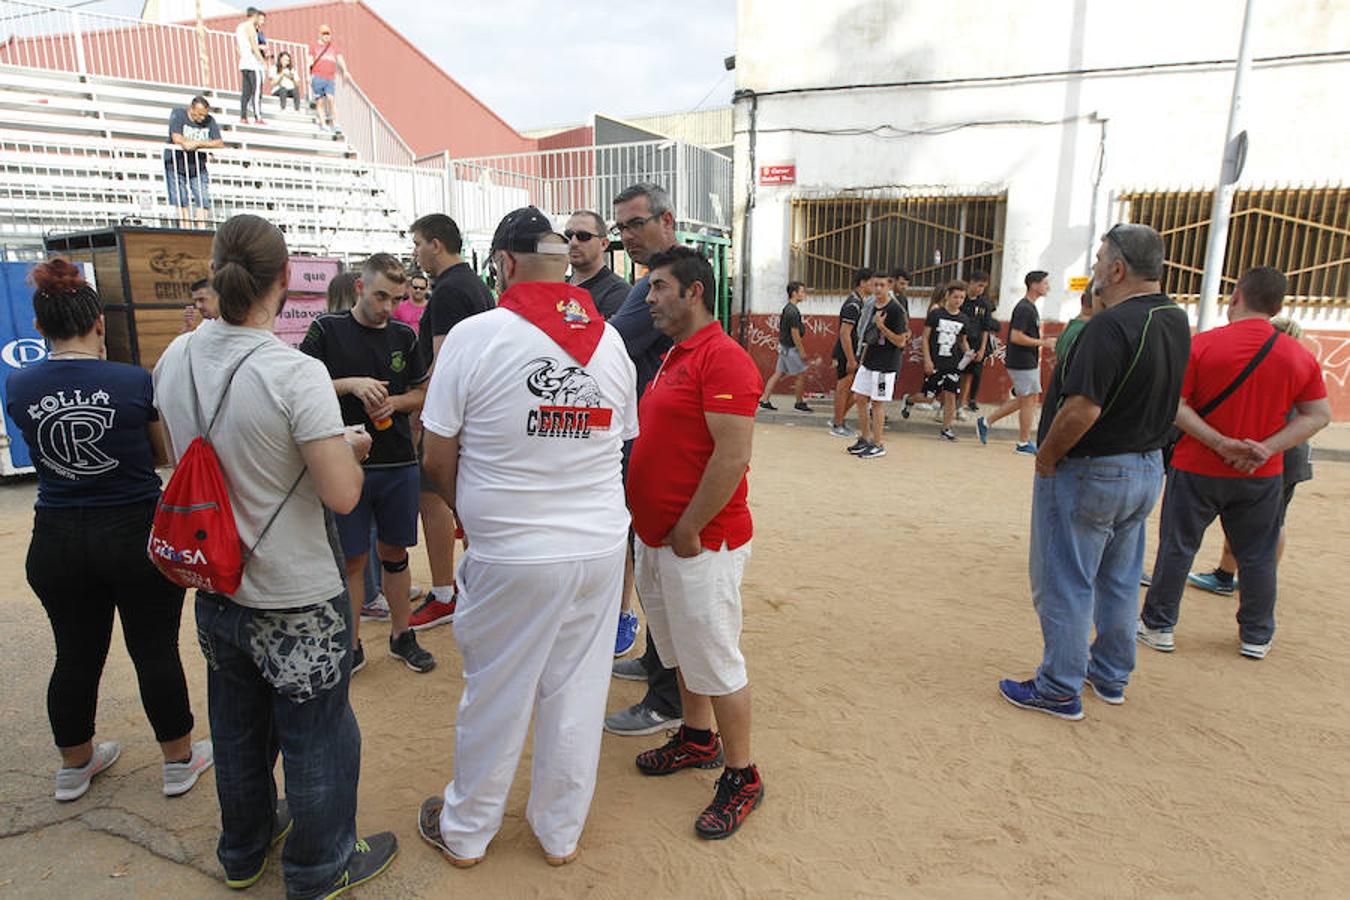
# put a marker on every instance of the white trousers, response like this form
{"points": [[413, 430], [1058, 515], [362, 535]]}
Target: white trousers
{"points": [[535, 639]]}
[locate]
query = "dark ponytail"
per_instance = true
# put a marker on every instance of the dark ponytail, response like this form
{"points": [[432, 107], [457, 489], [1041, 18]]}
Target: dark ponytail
{"points": [[248, 257], [64, 304]]}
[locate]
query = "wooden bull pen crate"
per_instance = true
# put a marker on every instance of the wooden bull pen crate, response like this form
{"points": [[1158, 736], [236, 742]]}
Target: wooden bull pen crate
{"points": [[145, 277]]}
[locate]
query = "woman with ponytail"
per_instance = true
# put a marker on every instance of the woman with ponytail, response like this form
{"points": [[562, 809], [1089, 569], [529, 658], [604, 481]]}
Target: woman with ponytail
{"points": [[278, 650], [96, 440]]}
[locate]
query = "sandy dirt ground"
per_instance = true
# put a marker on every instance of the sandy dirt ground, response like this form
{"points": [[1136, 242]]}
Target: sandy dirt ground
{"points": [[883, 602]]}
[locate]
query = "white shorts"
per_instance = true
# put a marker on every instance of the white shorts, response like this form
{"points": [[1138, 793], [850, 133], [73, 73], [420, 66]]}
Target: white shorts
{"points": [[693, 609], [874, 385], [1025, 382]]}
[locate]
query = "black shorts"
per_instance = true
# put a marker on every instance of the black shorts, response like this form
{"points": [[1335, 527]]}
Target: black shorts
{"points": [[1288, 496], [840, 367], [938, 382]]}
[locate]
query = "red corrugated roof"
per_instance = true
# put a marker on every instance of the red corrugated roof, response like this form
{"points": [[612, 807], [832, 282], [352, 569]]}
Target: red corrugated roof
{"points": [[430, 109]]}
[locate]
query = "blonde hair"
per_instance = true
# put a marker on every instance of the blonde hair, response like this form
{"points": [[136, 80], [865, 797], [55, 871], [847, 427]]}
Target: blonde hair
{"points": [[1288, 326]]}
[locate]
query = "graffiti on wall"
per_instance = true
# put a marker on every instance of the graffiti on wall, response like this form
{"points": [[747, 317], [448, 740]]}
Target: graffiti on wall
{"points": [[1333, 354]]}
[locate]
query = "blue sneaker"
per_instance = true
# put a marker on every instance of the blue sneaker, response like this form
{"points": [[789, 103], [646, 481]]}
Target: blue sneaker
{"points": [[1210, 581], [1029, 448], [1025, 695], [1114, 696], [628, 632], [982, 428]]}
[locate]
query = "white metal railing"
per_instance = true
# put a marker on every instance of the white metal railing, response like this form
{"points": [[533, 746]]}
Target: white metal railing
{"points": [[366, 129], [42, 36], [561, 181], [323, 205]]}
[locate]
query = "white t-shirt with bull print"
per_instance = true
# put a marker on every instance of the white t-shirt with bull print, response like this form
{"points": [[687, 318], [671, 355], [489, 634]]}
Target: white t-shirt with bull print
{"points": [[541, 439]]}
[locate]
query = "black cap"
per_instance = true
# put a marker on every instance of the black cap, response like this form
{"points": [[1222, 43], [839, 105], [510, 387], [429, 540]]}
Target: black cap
{"points": [[521, 230]]}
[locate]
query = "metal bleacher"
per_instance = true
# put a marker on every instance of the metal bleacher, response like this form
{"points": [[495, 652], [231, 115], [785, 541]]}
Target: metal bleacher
{"points": [[81, 151]]}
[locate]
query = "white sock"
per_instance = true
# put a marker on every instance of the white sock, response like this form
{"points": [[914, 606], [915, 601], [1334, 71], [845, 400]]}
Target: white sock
{"points": [[443, 593]]}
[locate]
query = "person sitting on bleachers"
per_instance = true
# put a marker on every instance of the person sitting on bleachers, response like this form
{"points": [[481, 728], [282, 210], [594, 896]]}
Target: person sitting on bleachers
{"points": [[191, 130]]}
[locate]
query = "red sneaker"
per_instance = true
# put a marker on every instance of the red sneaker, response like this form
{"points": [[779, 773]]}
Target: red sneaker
{"points": [[737, 796], [680, 753], [432, 613]]}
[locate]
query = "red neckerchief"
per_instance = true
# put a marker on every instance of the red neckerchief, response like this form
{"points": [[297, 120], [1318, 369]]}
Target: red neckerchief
{"points": [[563, 312]]}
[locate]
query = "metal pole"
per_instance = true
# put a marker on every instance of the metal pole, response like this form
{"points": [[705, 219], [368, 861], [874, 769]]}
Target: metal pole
{"points": [[1234, 155], [80, 65]]}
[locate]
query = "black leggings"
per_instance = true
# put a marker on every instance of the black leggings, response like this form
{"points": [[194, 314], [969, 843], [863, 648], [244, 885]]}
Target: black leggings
{"points": [[282, 93], [248, 93], [84, 563]]}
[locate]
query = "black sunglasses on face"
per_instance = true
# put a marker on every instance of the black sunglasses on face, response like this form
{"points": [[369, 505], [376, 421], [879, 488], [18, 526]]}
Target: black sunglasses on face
{"points": [[583, 236]]}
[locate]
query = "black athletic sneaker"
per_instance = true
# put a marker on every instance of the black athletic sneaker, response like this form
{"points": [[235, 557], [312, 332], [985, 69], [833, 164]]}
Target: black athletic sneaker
{"points": [[679, 753], [406, 648], [765, 404], [904, 407], [857, 447], [801, 407], [737, 796], [281, 826], [358, 659], [371, 856]]}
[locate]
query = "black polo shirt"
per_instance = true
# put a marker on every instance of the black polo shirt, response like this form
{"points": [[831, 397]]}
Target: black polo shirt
{"points": [[1129, 360], [1026, 318], [351, 350], [607, 291], [456, 294]]}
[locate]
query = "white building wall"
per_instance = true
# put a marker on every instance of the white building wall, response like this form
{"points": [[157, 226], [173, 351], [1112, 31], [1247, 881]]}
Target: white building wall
{"points": [[1042, 140]]}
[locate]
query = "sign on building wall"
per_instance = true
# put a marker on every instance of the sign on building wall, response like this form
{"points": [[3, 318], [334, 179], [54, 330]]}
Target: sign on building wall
{"points": [[306, 296], [1079, 283], [778, 173]]}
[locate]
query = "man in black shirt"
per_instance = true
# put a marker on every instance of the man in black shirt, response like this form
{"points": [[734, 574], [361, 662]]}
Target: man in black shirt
{"points": [[456, 294], [885, 332], [944, 350], [983, 326], [586, 245], [1098, 473], [845, 357], [379, 378], [1024, 363], [791, 350]]}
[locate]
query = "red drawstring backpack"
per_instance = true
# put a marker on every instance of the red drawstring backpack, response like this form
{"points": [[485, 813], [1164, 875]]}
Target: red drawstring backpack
{"points": [[194, 541]]}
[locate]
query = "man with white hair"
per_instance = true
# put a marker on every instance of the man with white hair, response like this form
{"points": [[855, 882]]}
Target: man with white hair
{"points": [[525, 418]]}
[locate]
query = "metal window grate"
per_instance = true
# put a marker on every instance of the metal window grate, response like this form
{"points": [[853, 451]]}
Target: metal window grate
{"points": [[936, 236], [1303, 232]]}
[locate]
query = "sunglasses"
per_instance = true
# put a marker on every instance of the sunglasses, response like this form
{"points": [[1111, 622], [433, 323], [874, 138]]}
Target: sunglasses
{"points": [[583, 236], [1114, 238], [632, 224]]}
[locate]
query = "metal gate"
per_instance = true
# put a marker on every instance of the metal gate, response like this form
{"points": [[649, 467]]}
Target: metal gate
{"points": [[936, 236], [1303, 232]]}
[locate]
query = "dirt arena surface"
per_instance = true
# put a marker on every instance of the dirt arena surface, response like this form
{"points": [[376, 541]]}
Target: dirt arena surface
{"points": [[884, 600]]}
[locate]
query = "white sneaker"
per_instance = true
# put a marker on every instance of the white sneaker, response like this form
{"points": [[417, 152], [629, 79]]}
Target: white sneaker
{"points": [[1151, 637], [180, 777], [1254, 651], [961, 414], [71, 784], [376, 610]]}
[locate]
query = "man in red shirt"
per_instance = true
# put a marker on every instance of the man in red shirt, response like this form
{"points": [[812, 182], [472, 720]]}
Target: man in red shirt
{"points": [[687, 491], [325, 59], [1230, 463]]}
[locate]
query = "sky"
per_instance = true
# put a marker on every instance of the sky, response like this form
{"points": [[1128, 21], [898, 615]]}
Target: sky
{"points": [[538, 63]]}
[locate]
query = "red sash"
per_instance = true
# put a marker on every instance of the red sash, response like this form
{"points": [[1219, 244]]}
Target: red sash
{"points": [[563, 312]]}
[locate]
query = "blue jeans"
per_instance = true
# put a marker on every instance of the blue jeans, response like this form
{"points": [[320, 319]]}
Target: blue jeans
{"points": [[277, 681], [188, 188], [1087, 550]]}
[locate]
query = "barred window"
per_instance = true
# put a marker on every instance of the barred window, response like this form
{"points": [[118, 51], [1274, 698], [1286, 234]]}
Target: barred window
{"points": [[936, 237], [1303, 232]]}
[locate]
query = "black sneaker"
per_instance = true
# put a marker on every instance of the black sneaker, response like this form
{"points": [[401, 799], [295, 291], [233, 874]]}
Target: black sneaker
{"points": [[680, 753], [857, 447], [371, 856], [406, 648], [737, 796], [904, 408], [281, 826], [801, 407], [946, 434], [973, 406], [358, 659], [765, 404]]}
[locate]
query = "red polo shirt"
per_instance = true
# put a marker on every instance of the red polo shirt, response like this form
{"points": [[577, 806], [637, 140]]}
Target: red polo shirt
{"points": [[706, 373], [1257, 409]]}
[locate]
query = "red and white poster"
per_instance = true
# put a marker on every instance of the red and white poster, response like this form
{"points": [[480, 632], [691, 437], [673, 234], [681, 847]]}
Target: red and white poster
{"points": [[778, 173], [306, 296]]}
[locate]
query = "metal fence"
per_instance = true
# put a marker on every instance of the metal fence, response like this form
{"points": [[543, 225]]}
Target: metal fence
{"points": [[483, 189], [1302, 231], [40, 36], [936, 235]]}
